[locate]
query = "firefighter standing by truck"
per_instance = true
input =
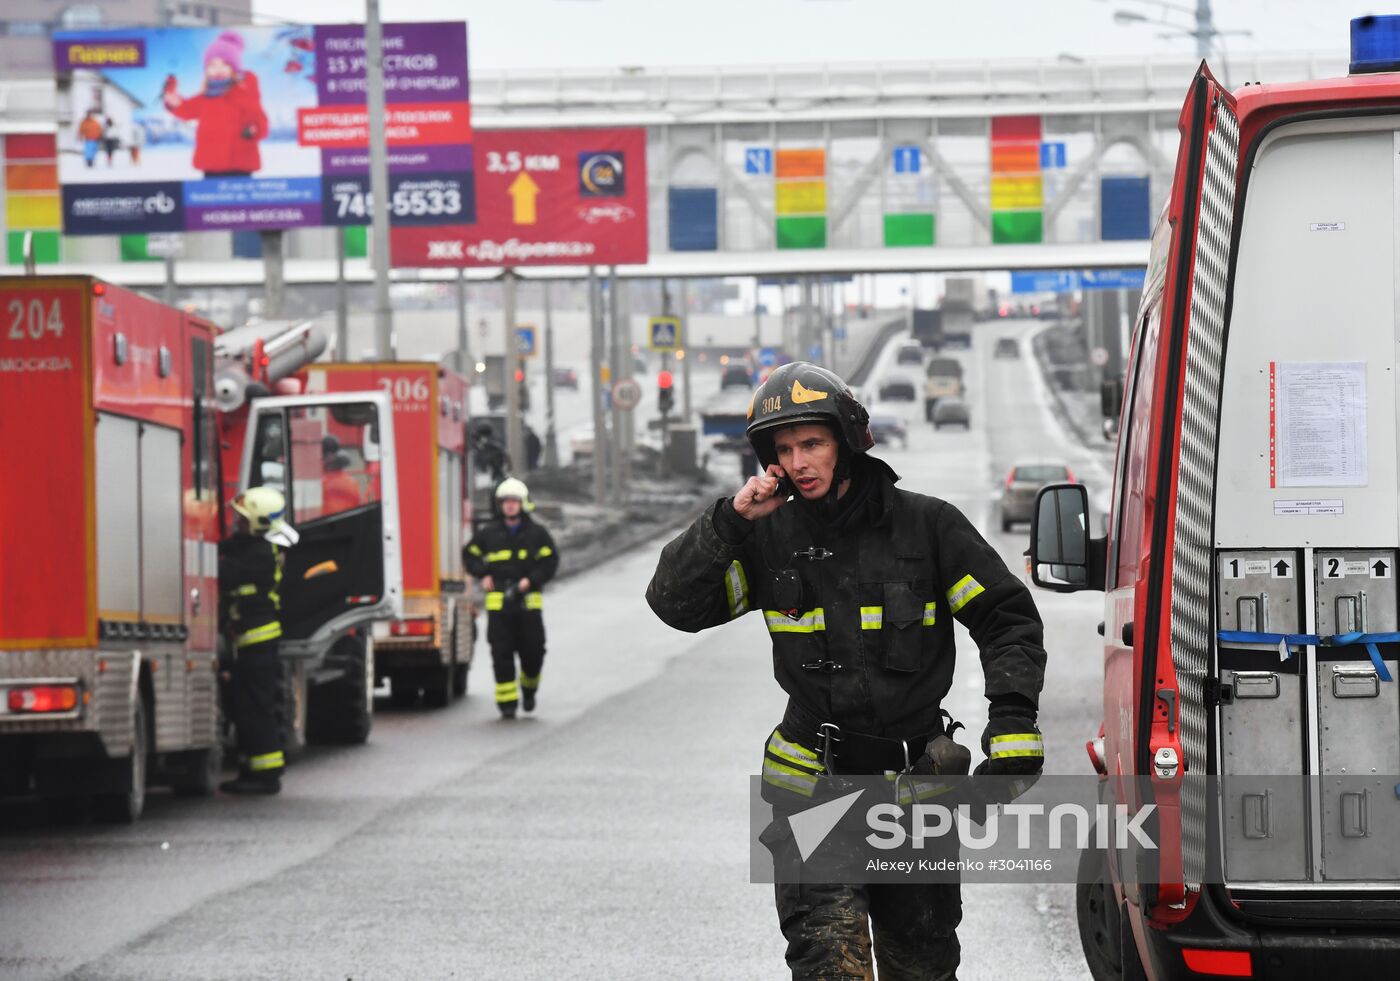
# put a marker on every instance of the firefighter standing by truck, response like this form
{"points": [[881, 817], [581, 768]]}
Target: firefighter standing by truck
{"points": [[858, 582], [250, 574], [514, 557]]}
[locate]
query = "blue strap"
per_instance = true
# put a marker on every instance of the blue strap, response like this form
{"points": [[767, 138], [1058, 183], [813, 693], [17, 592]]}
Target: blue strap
{"points": [[1351, 639]]}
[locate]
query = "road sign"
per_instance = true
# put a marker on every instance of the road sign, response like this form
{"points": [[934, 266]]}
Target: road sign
{"points": [[1112, 279], [1044, 281], [1052, 156], [767, 357], [758, 160], [1099, 356], [905, 159], [664, 333], [525, 341], [626, 393]]}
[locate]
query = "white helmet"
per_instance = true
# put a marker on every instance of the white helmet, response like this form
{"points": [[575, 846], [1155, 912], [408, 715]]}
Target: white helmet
{"points": [[265, 510], [515, 487]]}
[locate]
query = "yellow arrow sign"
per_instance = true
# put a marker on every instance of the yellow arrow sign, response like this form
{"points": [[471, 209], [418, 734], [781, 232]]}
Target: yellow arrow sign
{"points": [[523, 191]]}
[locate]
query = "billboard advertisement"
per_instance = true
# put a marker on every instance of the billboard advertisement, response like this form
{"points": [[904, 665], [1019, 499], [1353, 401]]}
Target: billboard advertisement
{"points": [[249, 128], [544, 197]]}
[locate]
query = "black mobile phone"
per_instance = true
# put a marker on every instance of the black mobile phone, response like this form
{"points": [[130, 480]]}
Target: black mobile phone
{"points": [[785, 489]]}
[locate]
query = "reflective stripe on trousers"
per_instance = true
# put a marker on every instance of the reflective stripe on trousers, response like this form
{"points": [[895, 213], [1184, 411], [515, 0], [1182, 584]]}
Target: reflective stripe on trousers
{"points": [[266, 761], [260, 635]]}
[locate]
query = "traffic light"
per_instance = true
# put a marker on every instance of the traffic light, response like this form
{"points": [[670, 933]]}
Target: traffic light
{"points": [[665, 391]]}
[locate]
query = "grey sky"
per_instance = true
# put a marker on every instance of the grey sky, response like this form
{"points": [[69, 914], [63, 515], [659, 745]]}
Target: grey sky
{"points": [[508, 34]]}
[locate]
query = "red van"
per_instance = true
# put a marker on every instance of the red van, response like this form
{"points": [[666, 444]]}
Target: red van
{"points": [[1250, 629]]}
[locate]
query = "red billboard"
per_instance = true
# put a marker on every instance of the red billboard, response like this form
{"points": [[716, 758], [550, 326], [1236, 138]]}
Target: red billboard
{"points": [[544, 197]]}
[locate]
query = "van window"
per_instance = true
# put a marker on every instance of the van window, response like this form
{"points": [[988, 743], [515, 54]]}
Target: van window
{"points": [[1132, 455]]}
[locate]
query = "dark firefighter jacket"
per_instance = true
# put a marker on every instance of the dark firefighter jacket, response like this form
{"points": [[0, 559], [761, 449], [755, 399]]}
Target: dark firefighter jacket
{"points": [[250, 574], [507, 558], [869, 643]]}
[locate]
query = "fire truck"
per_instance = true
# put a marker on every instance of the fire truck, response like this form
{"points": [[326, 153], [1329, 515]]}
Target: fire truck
{"points": [[427, 651], [118, 462], [1250, 628]]}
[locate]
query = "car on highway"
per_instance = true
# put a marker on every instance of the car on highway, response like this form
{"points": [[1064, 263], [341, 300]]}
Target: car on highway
{"points": [[895, 389], [889, 429], [951, 412], [736, 375], [566, 378], [1006, 347], [1022, 482], [911, 352]]}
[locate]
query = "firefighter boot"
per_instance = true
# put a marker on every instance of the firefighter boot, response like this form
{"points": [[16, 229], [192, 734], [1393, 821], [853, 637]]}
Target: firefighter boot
{"points": [[529, 686], [253, 783], [507, 711]]}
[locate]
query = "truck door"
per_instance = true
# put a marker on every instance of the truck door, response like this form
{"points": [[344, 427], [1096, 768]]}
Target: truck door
{"points": [[333, 457], [1174, 643]]}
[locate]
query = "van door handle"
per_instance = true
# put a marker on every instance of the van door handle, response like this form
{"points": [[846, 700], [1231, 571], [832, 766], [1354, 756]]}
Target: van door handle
{"points": [[1128, 634], [1100, 628]]}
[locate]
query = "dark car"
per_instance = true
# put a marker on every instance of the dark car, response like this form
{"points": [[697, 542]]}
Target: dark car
{"points": [[897, 390], [566, 378], [1006, 347], [951, 412], [736, 376], [1022, 482], [889, 430], [910, 353]]}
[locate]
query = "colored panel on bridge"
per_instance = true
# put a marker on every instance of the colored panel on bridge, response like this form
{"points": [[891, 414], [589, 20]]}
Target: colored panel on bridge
{"points": [[693, 214], [32, 201], [907, 230], [800, 163], [799, 199], [802, 233], [1017, 227], [1017, 191], [1125, 208]]}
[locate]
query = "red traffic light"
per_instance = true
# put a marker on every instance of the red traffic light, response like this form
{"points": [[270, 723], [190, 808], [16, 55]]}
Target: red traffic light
{"points": [[519, 375], [664, 379]]}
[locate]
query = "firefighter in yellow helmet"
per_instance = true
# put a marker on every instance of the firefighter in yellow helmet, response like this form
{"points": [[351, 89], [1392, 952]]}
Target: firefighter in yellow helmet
{"points": [[514, 557], [250, 575]]}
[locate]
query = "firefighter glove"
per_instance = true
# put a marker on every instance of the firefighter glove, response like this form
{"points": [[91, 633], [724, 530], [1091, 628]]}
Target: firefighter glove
{"points": [[1013, 745]]}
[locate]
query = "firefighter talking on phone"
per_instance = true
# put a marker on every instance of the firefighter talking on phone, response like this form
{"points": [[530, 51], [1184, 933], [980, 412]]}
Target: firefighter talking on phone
{"points": [[858, 582]]}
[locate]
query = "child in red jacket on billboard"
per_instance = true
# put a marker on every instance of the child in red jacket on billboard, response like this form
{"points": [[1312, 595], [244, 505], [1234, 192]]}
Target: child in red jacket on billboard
{"points": [[228, 111]]}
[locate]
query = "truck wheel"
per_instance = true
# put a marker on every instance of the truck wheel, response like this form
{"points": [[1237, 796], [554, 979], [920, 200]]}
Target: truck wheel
{"points": [[293, 708], [125, 806], [198, 771], [1099, 922], [342, 711], [437, 687]]}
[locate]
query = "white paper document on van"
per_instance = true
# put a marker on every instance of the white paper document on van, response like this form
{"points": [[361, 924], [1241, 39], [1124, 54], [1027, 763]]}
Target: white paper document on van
{"points": [[1320, 427]]}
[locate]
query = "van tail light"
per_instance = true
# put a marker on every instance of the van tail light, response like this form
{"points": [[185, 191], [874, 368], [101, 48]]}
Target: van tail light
{"points": [[1069, 475], [411, 628], [39, 699], [1221, 963]]}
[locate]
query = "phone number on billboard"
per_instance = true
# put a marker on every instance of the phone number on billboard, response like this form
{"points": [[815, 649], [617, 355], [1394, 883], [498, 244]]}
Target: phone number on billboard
{"points": [[411, 201]]}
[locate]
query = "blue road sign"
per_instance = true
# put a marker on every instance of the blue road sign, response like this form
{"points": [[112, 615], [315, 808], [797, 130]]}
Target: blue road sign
{"points": [[840, 332], [906, 159], [1044, 281], [1052, 156], [1112, 279], [525, 342], [665, 334], [767, 357], [758, 160]]}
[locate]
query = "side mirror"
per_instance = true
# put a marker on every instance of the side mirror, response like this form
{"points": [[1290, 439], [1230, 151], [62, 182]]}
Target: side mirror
{"points": [[1063, 556]]}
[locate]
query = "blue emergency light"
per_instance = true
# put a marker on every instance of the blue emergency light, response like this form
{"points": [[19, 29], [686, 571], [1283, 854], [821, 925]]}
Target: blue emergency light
{"points": [[1375, 44]]}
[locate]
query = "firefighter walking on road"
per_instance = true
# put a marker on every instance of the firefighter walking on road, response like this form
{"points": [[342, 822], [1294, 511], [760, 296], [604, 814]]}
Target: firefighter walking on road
{"points": [[250, 575], [858, 583], [514, 557]]}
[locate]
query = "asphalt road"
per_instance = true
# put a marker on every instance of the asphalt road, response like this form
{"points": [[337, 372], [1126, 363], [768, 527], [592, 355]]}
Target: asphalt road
{"points": [[605, 837]]}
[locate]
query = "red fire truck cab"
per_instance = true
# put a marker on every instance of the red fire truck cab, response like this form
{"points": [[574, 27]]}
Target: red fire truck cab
{"points": [[111, 512]]}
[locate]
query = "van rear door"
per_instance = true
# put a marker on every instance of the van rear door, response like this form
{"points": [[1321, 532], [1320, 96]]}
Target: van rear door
{"points": [[1173, 604], [334, 457]]}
